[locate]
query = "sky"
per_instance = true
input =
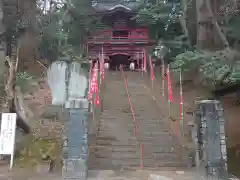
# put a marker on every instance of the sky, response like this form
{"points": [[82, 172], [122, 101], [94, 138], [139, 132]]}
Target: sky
{"points": [[47, 3]]}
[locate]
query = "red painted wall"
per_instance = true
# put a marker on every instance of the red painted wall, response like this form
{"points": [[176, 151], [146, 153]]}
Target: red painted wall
{"points": [[140, 33]]}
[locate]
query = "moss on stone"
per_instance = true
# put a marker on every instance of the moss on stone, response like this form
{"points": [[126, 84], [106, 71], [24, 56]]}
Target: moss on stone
{"points": [[38, 151]]}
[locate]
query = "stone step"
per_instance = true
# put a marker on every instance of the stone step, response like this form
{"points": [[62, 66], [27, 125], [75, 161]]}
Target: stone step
{"points": [[105, 135], [105, 131], [111, 163], [157, 149], [146, 115], [132, 148], [149, 141], [156, 144], [157, 130], [117, 148], [148, 125], [142, 137], [156, 134], [150, 121], [103, 153], [144, 128], [116, 155], [107, 118], [110, 122], [108, 128], [115, 143]]}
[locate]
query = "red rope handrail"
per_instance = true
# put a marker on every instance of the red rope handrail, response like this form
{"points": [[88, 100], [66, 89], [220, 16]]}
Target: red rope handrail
{"points": [[129, 102], [133, 117]]}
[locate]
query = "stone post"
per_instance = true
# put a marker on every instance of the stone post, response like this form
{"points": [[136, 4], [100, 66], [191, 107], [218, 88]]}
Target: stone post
{"points": [[211, 138], [77, 127]]}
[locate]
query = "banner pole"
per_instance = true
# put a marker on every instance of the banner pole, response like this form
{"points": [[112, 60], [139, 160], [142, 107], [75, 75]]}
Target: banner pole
{"points": [[151, 71], [142, 63], [169, 100], [98, 86], [103, 81], [11, 160], [163, 78], [94, 92], [181, 104], [169, 109]]}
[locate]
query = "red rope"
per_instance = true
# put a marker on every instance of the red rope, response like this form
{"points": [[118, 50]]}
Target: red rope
{"points": [[129, 102], [134, 119]]}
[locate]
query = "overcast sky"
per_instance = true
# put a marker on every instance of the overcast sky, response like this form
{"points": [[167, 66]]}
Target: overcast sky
{"points": [[46, 3]]}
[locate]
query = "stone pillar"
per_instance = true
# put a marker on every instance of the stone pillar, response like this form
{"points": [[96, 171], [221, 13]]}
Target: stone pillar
{"points": [[211, 138], [77, 128], [76, 145]]}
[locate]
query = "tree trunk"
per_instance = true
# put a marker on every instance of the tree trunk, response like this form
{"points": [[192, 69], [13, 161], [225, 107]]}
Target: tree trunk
{"points": [[210, 35], [191, 20]]}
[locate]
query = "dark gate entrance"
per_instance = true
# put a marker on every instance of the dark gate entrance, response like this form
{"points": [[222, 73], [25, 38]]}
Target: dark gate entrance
{"points": [[118, 59]]}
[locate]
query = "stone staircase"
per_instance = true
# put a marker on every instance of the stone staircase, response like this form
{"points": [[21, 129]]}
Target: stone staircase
{"points": [[116, 146], [161, 149]]}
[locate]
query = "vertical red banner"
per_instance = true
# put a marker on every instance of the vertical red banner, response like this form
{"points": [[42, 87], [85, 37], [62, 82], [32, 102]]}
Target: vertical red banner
{"points": [[94, 85], [97, 100]]}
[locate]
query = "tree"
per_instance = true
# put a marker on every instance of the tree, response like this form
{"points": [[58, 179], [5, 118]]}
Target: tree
{"points": [[162, 18], [73, 21], [218, 69]]}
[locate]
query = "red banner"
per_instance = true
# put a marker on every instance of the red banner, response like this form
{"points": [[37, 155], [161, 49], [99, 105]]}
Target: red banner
{"points": [[93, 83], [96, 90], [97, 101]]}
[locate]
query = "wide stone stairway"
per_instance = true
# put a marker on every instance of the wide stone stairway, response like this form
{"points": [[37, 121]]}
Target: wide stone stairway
{"points": [[116, 146]]}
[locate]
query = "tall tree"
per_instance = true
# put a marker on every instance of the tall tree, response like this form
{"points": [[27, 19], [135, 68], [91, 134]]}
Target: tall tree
{"points": [[74, 21]]}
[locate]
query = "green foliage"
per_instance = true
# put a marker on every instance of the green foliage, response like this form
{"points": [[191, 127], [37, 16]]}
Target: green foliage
{"points": [[159, 16], [64, 28], [234, 75], [23, 80], [36, 150], [213, 69], [230, 22], [186, 60], [217, 69], [162, 18], [70, 51]]}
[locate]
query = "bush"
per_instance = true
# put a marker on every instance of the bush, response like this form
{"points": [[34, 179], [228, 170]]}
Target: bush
{"points": [[23, 80]]}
